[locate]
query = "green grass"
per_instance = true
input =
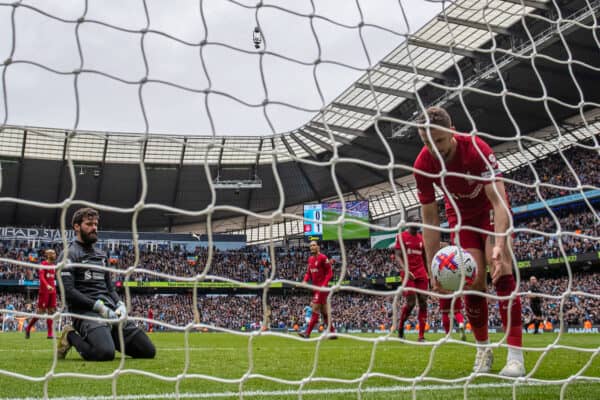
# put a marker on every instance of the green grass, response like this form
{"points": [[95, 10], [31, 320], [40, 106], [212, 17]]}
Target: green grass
{"points": [[227, 357], [351, 230]]}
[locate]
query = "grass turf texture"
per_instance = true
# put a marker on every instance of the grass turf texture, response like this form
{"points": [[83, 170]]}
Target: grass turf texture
{"points": [[350, 229], [226, 356]]}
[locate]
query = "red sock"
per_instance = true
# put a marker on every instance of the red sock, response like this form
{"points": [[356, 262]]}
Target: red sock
{"points": [[326, 320], [477, 311], [313, 320], [31, 323], [422, 317], [446, 321], [459, 317], [504, 287], [50, 324], [404, 315]]}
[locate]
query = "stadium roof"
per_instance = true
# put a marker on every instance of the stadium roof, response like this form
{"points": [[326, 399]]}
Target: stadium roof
{"points": [[469, 57]]}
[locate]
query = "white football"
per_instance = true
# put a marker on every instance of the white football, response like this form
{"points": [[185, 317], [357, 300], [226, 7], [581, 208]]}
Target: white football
{"points": [[447, 265]]}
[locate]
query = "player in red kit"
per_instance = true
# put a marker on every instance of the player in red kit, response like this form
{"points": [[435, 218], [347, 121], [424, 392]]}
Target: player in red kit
{"points": [[445, 308], [410, 243], [46, 295], [319, 273], [480, 200], [150, 316]]}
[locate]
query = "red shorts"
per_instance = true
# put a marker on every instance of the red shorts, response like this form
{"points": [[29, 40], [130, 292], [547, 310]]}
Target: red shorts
{"points": [[319, 297], [418, 283], [446, 303], [470, 239], [47, 300]]}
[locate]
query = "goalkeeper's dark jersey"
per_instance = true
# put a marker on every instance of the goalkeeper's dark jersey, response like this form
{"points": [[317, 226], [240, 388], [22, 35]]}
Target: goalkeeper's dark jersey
{"points": [[83, 286]]}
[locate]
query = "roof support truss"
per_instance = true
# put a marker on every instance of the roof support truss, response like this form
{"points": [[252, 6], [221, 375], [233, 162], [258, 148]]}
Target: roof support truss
{"points": [[316, 140], [475, 24], [20, 178], [357, 109], [532, 3], [386, 90], [446, 49], [420, 71], [342, 129], [318, 131]]}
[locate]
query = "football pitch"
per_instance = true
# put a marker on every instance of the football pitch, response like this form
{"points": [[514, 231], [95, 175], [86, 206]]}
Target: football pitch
{"points": [[350, 229], [264, 359]]}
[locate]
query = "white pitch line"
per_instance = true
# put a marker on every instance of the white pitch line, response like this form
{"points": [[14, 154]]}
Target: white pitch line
{"points": [[49, 350], [384, 389]]}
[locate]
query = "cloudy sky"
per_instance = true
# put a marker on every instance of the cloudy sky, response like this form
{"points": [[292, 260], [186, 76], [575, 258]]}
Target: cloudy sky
{"points": [[45, 34]]}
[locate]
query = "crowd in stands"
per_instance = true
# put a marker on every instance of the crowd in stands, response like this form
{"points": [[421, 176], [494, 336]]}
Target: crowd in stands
{"points": [[553, 170], [351, 310], [573, 224], [253, 264]]}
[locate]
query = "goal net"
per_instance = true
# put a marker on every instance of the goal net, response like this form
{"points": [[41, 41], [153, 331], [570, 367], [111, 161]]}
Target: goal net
{"points": [[225, 118]]}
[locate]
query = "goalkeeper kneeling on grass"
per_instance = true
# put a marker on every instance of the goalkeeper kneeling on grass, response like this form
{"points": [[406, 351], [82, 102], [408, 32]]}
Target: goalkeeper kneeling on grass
{"points": [[90, 292]]}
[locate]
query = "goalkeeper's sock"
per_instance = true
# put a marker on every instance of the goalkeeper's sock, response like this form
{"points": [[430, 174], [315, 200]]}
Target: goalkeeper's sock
{"points": [[477, 311], [422, 316], [504, 287], [50, 325], [536, 325], [446, 322], [313, 321]]}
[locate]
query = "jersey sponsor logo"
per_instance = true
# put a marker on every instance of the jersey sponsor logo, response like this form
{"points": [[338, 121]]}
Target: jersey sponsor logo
{"points": [[474, 193], [89, 275], [314, 270], [417, 252]]}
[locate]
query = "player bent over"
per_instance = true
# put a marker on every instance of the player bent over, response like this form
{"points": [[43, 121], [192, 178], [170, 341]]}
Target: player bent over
{"points": [[319, 273], [90, 292], [481, 203], [411, 242]]}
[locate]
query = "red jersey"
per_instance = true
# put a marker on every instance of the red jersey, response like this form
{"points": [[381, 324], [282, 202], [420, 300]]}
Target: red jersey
{"points": [[319, 270], [47, 278], [469, 194], [414, 253]]}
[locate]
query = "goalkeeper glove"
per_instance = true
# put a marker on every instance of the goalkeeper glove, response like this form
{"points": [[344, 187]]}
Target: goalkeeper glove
{"points": [[121, 310], [104, 311]]}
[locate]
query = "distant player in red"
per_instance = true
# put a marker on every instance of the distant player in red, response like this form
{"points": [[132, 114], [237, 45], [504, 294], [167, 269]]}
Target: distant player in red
{"points": [[46, 294], [480, 199], [410, 243], [150, 316], [445, 308], [319, 273]]}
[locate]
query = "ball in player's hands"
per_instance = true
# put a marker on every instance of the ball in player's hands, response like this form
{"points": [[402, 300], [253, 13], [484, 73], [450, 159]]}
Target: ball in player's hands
{"points": [[448, 267]]}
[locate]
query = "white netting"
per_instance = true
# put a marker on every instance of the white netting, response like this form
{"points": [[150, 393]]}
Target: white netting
{"points": [[160, 76]]}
